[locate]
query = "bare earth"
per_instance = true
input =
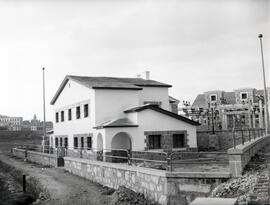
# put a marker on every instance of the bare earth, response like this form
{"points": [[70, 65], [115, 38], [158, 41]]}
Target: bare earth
{"points": [[63, 188]]}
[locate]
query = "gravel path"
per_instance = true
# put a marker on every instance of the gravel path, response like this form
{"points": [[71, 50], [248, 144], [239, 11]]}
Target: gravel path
{"points": [[62, 187]]}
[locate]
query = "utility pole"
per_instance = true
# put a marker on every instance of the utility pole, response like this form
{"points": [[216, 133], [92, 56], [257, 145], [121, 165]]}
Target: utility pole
{"points": [[266, 113], [44, 112]]}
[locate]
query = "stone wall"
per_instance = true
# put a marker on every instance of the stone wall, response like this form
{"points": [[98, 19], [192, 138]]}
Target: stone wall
{"points": [[36, 157], [157, 185], [241, 155], [224, 139]]}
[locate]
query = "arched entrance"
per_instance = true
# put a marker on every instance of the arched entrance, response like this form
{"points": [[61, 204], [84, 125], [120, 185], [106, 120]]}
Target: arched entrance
{"points": [[121, 140]]}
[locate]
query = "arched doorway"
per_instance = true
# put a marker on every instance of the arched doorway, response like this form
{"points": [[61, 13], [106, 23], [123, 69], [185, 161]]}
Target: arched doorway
{"points": [[121, 146], [121, 140]]}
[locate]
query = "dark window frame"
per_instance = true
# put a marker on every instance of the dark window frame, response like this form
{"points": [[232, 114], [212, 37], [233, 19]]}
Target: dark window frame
{"points": [[246, 96], [211, 99], [61, 142], [89, 142], [66, 142], [154, 141], [62, 116], [78, 112], [75, 142], [70, 114], [86, 110], [178, 143], [82, 142], [56, 142], [56, 117]]}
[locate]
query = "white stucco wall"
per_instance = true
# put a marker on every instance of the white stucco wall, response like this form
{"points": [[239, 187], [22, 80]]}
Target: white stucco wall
{"points": [[110, 104], [155, 94], [72, 96], [150, 120]]}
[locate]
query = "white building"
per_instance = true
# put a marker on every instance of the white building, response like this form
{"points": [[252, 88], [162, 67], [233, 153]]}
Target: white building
{"points": [[13, 123], [118, 113]]}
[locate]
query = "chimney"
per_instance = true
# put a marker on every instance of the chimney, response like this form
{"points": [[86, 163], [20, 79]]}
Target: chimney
{"points": [[147, 75]]}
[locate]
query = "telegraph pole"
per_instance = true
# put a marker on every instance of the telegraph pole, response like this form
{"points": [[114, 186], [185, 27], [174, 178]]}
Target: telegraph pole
{"points": [[266, 113], [44, 112]]}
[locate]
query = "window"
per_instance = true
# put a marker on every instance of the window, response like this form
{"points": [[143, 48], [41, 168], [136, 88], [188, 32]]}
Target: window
{"points": [[82, 142], [66, 142], [78, 112], [75, 142], [61, 142], [85, 110], [89, 142], [213, 98], [62, 116], [244, 96], [56, 142], [56, 117], [178, 140], [154, 141], [69, 114]]}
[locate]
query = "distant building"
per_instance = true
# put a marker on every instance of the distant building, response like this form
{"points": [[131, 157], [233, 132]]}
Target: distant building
{"points": [[225, 110], [11, 123]]}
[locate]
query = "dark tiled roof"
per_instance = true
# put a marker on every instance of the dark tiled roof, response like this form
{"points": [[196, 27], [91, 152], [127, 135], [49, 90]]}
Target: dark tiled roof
{"points": [[100, 82], [160, 110], [199, 101], [123, 122], [109, 83]]}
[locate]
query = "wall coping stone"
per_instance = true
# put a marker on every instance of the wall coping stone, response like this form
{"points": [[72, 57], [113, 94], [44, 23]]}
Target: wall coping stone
{"points": [[156, 172], [208, 175], [33, 152]]}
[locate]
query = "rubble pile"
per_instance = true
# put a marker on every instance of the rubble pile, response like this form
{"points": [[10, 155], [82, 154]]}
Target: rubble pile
{"points": [[254, 183], [129, 197], [236, 187]]}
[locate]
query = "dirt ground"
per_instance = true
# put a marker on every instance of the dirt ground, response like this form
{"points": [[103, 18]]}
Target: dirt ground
{"points": [[62, 187], [67, 189]]}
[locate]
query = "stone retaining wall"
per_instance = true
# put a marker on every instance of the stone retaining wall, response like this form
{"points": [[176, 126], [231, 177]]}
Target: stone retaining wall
{"points": [[36, 157], [241, 155], [224, 139], [157, 185]]}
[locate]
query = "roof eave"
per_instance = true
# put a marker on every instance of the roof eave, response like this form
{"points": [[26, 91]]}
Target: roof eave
{"points": [[116, 88], [116, 126]]}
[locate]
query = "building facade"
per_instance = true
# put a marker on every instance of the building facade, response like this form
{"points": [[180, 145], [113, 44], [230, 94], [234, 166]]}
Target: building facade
{"points": [[103, 113], [11, 123], [242, 108]]}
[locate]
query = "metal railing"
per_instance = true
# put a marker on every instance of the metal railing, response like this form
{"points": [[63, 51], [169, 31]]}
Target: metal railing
{"points": [[246, 135]]}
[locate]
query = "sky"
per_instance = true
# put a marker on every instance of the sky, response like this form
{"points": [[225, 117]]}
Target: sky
{"points": [[194, 45]]}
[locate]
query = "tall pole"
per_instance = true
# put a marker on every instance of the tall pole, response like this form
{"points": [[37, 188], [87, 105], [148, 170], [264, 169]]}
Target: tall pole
{"points": [[44, 112], [265, 90]]}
